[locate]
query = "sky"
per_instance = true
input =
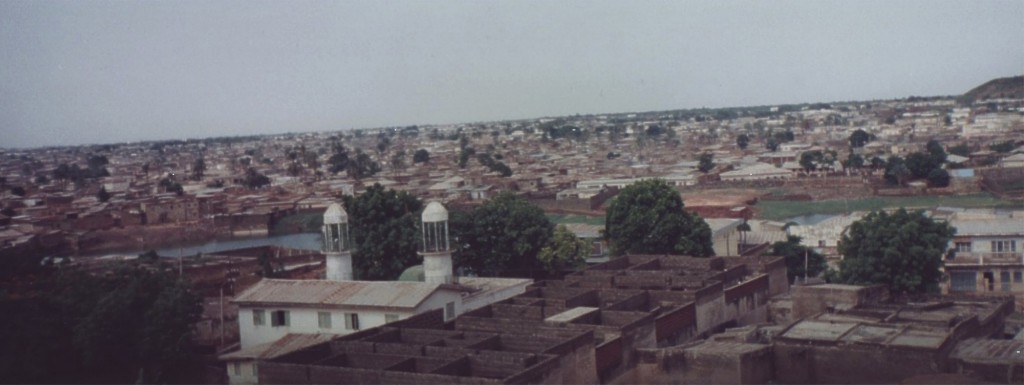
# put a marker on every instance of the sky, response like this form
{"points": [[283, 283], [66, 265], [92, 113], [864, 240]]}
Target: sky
{"points": [[89, 72]]}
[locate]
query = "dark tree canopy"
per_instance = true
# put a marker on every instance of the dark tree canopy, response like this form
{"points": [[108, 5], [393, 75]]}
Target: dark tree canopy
{"points": [[742, 141], [794, 253], [503, 236], [421, 156], [132, 326], [938, 178], [647, 217], [859, 138], [706, 162], [383, 226], [903, 250]]}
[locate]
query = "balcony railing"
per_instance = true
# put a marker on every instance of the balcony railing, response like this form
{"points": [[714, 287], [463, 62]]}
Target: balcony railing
{"points": [[963, 258]]}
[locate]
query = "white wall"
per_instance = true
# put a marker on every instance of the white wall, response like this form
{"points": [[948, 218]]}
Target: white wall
{"points": [[246, 375], [305, 320]]}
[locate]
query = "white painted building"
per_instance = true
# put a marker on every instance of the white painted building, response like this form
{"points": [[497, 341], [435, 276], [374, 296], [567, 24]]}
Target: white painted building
{"points": [[276, 307]]}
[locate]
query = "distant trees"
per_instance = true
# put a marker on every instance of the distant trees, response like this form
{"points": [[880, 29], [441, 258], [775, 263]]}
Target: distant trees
{"points": [[647, 217], [503, 236], [495, 165], [742, 141], [198, 168], [706, 162], [384, 232], [903, 250], [254, 179], [421, 156], [795, 255], [170, 185], [102, 194], [938, 178], [859, 138], [563, 251]]}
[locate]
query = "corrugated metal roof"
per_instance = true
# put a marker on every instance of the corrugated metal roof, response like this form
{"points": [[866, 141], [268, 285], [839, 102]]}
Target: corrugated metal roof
{"points": [[338, 293], [995, 226]]}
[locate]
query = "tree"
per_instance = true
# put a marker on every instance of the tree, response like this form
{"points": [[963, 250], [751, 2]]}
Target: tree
{"points": [[706, 162], [896, 171], [383, 231], [563, 251], [742, 141], [131, 325], [795, 254], [938, 178], [647, 217], [254, 179], [198, 168], [859, 138], [18, 190], [421, 156], [772, 144], [1003, 147], [854, 161], [809, 160], [503, 236], [920, 164], [903, 250], [102, 194], [362, 166]]}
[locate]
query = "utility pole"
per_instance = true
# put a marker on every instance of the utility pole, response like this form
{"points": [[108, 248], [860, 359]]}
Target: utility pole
{"points": [[222, 315]]}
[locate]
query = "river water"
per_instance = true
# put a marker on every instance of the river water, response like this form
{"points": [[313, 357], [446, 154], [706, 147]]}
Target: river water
{"points": [[301, 241]]}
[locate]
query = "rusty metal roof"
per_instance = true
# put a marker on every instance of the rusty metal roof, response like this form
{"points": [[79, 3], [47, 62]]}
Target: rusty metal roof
{"points": [[287, 344], [320, 293]]}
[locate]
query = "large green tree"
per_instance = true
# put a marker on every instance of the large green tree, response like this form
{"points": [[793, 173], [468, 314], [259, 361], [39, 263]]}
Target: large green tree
{"points": [[133, 325], [859, 138], [503, 236], [564, 251], [383, 225], [647, 217], [903, 250], [795, 255]]}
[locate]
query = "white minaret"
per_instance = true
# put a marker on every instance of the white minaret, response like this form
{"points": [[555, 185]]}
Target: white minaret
{"points": [[337, 244], [437, 254]]}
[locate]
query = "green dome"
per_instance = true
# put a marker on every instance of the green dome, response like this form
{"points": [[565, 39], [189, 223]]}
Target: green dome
{"points": [[412, 274]]}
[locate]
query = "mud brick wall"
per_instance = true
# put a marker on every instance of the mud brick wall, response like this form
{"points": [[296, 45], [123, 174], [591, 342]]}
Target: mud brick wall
{"points": [[824, 364]]}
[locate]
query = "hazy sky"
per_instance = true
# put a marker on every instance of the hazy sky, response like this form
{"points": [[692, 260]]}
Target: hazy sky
{"points": [[98, 72]]}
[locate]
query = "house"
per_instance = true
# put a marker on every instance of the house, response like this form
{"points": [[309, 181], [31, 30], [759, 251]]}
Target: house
{"points": [[724, 235], [757, 171], [274, 308], [989, 256]]}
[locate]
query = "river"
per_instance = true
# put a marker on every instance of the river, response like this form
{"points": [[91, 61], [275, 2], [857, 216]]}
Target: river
{"points": [[301, 241]]}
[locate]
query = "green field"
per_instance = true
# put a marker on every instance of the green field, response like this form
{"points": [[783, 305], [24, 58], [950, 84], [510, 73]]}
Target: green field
{"points": [[780, 210], [561, 219]]}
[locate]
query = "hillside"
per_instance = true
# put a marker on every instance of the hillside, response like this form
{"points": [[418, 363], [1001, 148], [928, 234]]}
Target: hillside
{"points": [[1011, 87]]}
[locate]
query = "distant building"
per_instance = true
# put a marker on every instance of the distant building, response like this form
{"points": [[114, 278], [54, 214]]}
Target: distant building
{"points": [[989, 256], [758, 171]]}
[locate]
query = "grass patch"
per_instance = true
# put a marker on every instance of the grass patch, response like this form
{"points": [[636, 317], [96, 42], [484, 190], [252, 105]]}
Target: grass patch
{"points": [[780, 210], [563, 219], [299, 223]]}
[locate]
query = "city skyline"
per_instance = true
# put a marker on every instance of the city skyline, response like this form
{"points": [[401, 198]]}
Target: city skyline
{"points": [[100, 72]]}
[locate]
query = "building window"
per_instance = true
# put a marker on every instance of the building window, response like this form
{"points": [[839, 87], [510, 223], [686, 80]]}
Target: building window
{"points": [[352, 321], [254, 369], [389, 318], [963, 247], [1004, 246], [1018, 277], [324, 318], [258, 317], [964, 281], [1004, 280], [449, 311], [279, 318], [238, 368]]}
